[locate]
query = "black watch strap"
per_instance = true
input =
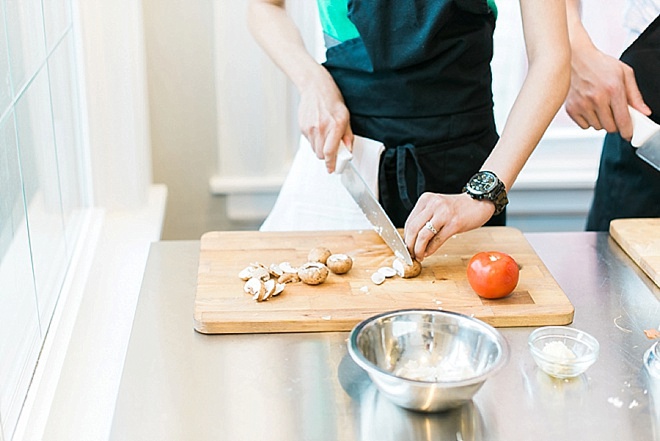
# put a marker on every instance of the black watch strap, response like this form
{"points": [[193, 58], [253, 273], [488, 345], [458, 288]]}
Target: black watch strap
{"points": [[485, 185]]}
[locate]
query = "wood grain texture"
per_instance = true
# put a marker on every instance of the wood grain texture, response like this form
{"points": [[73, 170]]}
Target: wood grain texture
{"points": [[640, 239], [341, 302]]}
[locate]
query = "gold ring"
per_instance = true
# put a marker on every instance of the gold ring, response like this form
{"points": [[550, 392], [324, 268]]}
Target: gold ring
{"points": [[431, 228]]}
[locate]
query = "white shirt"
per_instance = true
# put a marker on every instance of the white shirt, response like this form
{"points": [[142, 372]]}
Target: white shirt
{"points": [[312, 200], [640, 14]]}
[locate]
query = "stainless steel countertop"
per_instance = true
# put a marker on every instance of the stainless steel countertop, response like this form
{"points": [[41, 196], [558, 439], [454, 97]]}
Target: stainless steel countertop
{"points": [[178, 384]]}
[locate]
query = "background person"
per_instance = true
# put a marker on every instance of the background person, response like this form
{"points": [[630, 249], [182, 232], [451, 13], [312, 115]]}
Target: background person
{"points": [[601, 89]]}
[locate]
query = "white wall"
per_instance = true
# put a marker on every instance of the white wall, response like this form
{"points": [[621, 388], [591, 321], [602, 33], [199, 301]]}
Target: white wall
{"points": [[179, 37]]}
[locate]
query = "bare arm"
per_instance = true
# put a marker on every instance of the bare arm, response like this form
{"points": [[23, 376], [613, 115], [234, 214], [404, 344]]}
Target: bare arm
{"points": [[539, 99], [323, 116], [601, 86], [543, 91]]}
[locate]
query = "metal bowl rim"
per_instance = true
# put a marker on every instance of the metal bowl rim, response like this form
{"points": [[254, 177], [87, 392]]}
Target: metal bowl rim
{"points": [[367, 365]]}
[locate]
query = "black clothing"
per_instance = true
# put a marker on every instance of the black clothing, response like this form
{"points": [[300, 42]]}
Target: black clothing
{"points": [[628, 187], [418, 80]]}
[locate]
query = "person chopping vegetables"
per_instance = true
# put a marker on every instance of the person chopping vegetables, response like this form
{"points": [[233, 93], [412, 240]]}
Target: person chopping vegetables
{"points": [[602, 88], [415, 76]]}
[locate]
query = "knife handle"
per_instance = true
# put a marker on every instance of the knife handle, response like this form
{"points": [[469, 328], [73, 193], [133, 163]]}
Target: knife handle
{"points": [[343, 156], [643, 127]]}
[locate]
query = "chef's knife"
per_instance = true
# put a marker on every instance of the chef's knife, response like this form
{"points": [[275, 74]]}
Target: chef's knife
{"points": [[646, 137], [367, 202]]}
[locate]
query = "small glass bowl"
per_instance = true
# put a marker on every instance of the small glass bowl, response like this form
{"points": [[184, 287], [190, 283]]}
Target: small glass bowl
{"points": [[563, 352]]}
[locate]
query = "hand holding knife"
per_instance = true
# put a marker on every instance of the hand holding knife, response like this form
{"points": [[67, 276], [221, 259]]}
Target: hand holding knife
{"points": [[364, 197]]}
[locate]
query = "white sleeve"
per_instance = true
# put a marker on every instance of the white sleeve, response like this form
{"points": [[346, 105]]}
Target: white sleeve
{"points": [[639, 14], [313, 200]]}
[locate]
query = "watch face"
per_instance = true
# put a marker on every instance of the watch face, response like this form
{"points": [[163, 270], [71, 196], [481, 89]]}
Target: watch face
{"points": [[483, 183]]}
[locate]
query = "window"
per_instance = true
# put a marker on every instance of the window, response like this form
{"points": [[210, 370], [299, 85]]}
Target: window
{"points": [[42, 201]]}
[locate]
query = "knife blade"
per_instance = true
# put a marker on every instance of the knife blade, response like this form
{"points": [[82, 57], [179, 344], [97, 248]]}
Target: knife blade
{"points": [[363, 196], [646, 138]]}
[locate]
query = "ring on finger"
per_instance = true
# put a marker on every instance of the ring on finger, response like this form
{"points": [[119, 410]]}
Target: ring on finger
{"points": [[431, 228]]}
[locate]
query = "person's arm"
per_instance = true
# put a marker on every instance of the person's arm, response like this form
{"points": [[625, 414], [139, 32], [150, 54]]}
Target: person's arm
{"points": [[541, 95], [323, 116], [601, 86]]}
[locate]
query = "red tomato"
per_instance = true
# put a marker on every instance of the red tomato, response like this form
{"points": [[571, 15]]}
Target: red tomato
{"points": [[492, 274]]}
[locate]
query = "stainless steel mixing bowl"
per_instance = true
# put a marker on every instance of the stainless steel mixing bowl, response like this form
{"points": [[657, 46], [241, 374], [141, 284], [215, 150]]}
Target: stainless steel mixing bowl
{"points": [[427, 360]]}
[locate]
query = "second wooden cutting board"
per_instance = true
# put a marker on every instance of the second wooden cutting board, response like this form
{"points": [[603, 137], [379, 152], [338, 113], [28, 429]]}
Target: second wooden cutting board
{"points": [[222, 307], [640, 239]]}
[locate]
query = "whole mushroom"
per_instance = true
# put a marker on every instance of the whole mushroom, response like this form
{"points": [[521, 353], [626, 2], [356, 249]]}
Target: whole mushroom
{"points": [[339, 263], [319, 254], [313, 273]]}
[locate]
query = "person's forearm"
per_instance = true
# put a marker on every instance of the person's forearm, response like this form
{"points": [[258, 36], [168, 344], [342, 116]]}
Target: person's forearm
{"points": [[281, 40], [578, 35], [602, 87], [574, 15], [542, 93], [322, 114]]}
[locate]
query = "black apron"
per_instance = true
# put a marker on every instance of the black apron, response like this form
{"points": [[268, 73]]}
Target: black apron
{"points": [[418, 80], [628, 187]]}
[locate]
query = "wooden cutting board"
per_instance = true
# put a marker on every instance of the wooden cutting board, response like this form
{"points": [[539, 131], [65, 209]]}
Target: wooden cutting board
{"points": [[640, 239], [341, 302]]}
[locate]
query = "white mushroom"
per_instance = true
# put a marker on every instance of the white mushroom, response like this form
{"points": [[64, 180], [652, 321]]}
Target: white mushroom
{"points": [[254, 287], [269, 288], [246, 273], [254, 270], [275, 270], [286, 267], [378, 277], [387, 271], [339, 263], [288, 278], [279, 287]]}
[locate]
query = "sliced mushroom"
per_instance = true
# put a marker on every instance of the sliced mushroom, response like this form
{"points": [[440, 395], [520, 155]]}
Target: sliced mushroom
{"points": [[286, 267], [254, 270], [288, 278], [387, 271], [279, 287], [407, 271], [246, 273], [254, 287], [378, 277], [269, 288], [275, 270]]}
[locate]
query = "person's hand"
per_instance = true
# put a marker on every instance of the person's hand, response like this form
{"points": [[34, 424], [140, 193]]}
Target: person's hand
{"points": [[324, 119], [448, 214], [601, 89]]}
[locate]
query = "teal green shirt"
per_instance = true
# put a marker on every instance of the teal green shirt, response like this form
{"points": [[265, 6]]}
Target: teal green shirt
{"points": [[335, 22]]}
